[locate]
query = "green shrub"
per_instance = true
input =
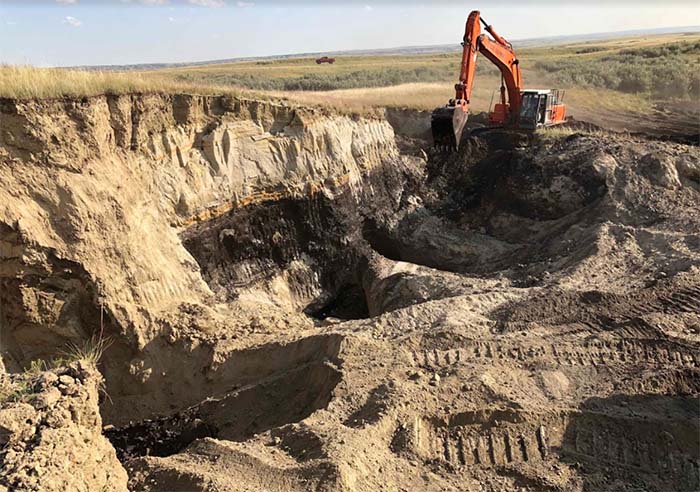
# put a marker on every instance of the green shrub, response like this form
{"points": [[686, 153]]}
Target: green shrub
{"points": [[667, 71], [590, 49]]}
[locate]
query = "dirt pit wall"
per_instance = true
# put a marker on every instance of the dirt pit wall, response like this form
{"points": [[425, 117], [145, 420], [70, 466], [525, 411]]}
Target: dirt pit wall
{"points": [[98, 192]]}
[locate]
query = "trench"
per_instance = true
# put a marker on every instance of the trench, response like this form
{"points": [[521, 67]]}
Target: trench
{"points": [[273, 402]]}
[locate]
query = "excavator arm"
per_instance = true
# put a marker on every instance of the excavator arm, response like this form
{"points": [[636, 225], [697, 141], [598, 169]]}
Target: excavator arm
{"points": [[448, 122]]}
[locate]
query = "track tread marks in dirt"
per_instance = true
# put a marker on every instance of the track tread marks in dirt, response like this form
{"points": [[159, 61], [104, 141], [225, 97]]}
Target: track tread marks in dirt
{"points": [[661, 445], [495, 448], [480, 439], [588, 353], [664, 448], [603, 313]]}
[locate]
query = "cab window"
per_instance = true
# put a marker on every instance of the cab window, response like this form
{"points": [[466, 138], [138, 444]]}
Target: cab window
{"points": [[530, 106]]}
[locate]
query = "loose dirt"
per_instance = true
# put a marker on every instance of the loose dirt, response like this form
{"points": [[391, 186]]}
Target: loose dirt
{"points": [[299, 300]]}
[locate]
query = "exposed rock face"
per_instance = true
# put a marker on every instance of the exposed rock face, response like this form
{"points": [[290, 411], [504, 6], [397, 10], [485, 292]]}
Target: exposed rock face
{"points": [[51, 438]]}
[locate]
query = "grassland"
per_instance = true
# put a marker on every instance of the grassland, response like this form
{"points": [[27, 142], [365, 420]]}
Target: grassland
{"points": [[663, 65], [608, 81]]}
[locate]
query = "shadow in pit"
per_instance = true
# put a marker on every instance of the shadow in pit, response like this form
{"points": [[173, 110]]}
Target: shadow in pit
{"points": [[237, 416], [641, 442], [348, 303], [491, 208]]}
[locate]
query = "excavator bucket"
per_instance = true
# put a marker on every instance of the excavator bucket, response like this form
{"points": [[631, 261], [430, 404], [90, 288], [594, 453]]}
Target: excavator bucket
{"points": [[448, 125]]}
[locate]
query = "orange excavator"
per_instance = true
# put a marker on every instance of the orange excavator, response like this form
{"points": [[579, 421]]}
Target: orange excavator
{"points": [[518, 109]]}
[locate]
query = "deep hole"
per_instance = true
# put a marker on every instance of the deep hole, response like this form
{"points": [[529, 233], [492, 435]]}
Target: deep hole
{"points": [[349, 303], [381, 241]]}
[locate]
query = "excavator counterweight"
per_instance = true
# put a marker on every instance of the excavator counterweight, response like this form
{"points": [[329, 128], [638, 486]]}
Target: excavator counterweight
{"points": [[544, 107]]}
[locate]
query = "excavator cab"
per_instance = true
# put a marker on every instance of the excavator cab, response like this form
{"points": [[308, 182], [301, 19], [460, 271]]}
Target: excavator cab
{"points": [[540, 108]]}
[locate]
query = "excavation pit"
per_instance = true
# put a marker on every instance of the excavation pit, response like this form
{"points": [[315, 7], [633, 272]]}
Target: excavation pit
{"points": [[239, 415], [572, 274]]}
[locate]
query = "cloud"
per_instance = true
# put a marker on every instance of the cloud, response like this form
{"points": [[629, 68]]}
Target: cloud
{"points": [[245, 4], [207, 3], [147, 2], [67, 1], [70, 20], [171, 19], [369, 8]]}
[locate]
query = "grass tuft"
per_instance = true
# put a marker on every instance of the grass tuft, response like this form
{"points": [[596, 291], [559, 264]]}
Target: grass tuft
{"points": [[90, 351], [21, 386]]}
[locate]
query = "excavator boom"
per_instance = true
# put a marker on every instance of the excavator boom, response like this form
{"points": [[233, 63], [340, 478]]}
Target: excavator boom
{"points": [[448, 122]]}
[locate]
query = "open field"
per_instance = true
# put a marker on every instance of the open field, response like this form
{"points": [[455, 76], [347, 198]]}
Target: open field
{"points": [[610, 83], [621, 64]]}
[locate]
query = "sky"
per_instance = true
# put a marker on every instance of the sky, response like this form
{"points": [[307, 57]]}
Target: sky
{"points": [[119, 32]]}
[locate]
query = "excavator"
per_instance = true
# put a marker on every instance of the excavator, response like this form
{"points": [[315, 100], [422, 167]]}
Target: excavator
{"points": [[518, 109]]}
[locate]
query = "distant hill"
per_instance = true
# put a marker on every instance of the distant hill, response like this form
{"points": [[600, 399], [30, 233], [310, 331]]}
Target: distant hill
{"points": [[404, 50]]}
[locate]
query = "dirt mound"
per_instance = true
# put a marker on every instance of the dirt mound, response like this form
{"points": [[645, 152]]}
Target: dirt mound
{"points": [[51, 433], [297, 304]]}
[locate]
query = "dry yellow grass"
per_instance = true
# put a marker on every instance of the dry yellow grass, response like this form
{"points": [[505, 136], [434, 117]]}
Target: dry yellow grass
{"points": [[425, 96], [603, 107], [26, 82]]}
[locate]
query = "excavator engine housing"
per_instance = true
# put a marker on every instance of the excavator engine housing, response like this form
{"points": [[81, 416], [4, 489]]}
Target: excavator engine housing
{"points": [[540, 108]]}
